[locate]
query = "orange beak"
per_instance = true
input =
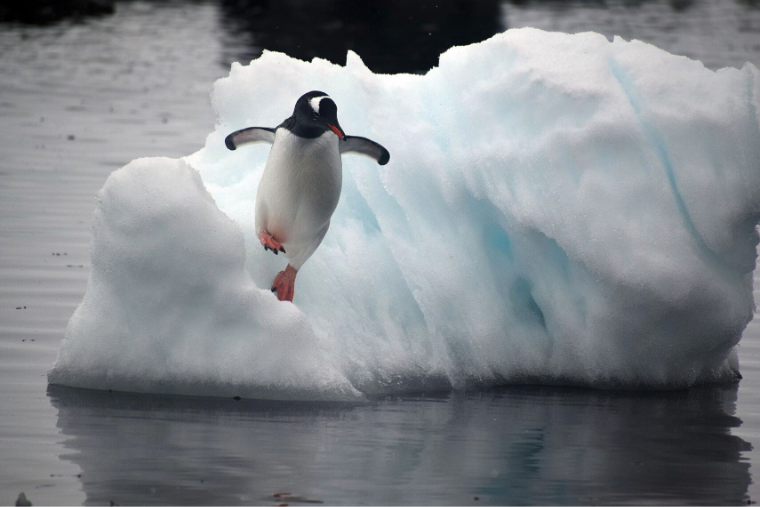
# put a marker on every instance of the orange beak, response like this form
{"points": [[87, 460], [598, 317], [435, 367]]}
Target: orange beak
{"points": [[337, 131]]}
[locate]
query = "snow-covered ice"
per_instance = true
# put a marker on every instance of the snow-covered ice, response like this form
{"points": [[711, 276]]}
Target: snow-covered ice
{"points": [[557, 208]]}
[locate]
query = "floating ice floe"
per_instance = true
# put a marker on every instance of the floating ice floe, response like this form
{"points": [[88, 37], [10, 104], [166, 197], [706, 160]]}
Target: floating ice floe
{"points": [[557, 209]]}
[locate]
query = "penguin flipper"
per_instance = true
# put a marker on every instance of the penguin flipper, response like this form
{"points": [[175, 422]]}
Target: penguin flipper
{"points": [[365, 147], [249, 135]]}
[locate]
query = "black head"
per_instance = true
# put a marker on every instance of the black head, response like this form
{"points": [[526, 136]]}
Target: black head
{"points": [[315, 113]]}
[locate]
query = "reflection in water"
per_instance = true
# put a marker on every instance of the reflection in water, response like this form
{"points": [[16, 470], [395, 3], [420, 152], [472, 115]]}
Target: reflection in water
{"points": [[390, 36], [519, 445]]}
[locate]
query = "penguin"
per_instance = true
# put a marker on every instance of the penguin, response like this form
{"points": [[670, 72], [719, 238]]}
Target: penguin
{"points": [[301, 183]]}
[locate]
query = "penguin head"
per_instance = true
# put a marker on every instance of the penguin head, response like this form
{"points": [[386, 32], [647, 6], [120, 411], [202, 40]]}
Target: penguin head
{"points": [[316, 113]]}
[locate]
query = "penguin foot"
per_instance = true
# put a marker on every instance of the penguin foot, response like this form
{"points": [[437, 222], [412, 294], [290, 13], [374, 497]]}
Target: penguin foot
{"points": [[270, 243], [284, 284]]}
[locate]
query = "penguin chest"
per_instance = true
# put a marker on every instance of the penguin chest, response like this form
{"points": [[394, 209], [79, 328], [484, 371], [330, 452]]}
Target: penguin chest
{"points": [[300, 187]]}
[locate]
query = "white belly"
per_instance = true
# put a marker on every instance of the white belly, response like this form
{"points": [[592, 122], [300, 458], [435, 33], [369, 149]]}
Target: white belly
{"points": [[299, 192]]}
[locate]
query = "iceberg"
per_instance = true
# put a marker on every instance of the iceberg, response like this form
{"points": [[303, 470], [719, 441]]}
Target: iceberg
{"points": [[558, 209]]}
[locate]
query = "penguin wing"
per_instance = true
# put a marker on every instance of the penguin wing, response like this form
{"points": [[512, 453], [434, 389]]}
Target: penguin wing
{"points": [[249, 135], [365, 147]]}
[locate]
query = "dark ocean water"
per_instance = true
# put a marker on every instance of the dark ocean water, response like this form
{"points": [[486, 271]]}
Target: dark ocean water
{"points": [[81, 98]]}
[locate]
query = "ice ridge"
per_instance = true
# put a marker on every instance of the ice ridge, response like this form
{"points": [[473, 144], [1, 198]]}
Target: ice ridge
{"points": [[558, 209]]}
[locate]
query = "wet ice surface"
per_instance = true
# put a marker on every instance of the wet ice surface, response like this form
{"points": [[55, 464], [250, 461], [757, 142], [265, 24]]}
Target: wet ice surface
{"points": [[532, 445]]}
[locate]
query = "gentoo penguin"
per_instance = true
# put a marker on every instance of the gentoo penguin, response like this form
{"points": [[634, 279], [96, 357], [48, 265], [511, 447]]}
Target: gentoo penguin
{"points": [[300, 187]]}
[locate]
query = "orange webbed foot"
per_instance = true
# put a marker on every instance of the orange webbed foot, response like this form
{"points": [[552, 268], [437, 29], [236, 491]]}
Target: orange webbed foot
{"points": [[270, 243], [284, 284]]}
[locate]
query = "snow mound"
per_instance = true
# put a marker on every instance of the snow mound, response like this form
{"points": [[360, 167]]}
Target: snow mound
{"points": [[557, 208]]}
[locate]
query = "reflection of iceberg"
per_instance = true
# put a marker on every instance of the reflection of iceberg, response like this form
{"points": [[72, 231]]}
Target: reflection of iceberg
{"points": [[557, 208], [528, 445]]}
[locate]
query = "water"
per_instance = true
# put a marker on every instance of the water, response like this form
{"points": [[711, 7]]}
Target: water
{"points": [[80, 99], [717, 33], [522, 445]]}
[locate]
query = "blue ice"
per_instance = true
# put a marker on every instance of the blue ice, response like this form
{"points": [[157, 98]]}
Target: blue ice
{"points": [[557, 209]]}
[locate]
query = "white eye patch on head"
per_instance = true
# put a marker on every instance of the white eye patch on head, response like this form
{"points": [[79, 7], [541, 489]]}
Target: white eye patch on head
{"points": [[315, 102]]}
